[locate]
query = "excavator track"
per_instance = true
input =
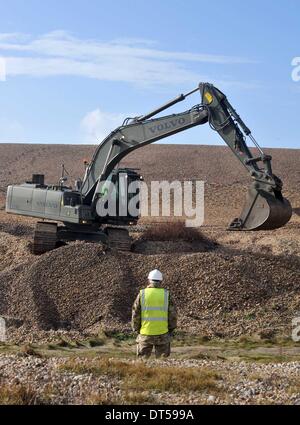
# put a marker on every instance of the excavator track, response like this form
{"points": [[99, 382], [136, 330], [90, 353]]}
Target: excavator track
{"points": [[45, 237], [119, 239]]}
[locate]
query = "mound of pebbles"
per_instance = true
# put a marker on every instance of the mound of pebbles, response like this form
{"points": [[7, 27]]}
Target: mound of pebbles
{"points": [[80, 287]]}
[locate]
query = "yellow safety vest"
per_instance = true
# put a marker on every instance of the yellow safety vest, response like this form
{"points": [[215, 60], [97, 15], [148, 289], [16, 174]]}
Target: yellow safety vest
{"points": [[154, 311]]}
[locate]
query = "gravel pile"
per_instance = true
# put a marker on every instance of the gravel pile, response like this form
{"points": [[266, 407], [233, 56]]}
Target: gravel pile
{"points": [[227, 291], [80, 286], [244, 383], [168, 247], [16, 229], [49, 385], [13, 250]]}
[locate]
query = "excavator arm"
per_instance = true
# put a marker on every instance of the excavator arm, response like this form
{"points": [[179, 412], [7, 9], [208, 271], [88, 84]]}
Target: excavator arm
{"points": [[135, 133], [265, 207]]}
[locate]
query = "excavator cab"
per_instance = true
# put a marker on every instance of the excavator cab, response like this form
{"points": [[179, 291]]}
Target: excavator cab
{"points": [[125, 194]]}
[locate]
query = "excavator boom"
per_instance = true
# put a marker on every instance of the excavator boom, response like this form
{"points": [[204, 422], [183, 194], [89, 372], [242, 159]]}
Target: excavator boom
{"points": [[127, 138], [265, 207]]}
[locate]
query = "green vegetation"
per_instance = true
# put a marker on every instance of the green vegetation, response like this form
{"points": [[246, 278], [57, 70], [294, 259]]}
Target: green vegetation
{"points": [[121, 336], [67, 344], [185, 346]]}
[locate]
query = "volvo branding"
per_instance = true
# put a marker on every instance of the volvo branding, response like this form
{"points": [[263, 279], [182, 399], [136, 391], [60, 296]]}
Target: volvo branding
{"points": [[167, 125]]}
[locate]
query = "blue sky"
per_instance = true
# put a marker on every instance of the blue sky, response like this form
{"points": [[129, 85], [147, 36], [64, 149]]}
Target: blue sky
{"points": [[75, 69]]}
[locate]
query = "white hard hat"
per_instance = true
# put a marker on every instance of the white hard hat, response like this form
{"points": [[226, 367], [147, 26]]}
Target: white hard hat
{"points": [[155, 275]]}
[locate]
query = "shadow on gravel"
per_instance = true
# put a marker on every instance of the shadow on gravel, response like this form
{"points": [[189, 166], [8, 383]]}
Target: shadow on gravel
{"points": [[127, 290], [20, 230], [47, 313], [146, 247]]}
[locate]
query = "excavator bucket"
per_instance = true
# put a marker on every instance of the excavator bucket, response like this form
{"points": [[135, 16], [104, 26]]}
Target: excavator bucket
{"points": [[263, 211]]}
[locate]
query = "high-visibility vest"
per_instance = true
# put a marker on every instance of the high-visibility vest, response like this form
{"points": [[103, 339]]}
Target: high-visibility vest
{"points": [[154, 311]]}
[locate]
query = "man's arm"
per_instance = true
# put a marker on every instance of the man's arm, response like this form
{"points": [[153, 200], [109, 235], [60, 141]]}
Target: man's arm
{"points": [[136, 315], [172, 316]]}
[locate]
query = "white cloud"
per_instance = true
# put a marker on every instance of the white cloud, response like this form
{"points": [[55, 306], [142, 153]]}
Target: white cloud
{"points": [[97, 124], [2, 69], [136, 71], [128, 60], [13, 36]]}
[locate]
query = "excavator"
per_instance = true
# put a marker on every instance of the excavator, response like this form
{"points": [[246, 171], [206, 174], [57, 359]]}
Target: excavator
{"points": [[76, 209]]}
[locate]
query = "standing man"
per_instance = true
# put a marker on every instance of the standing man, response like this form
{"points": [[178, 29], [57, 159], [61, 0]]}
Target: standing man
{"points": [[154, 318]]}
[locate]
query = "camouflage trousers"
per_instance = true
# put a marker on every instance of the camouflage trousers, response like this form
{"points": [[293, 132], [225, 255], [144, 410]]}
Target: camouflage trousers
{"points": [[161, 344]]}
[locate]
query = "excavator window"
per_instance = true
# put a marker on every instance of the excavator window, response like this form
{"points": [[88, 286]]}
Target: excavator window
{"points": [[71, 199]]}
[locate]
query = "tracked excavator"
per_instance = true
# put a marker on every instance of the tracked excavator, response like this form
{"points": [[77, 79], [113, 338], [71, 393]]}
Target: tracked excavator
{"points": [[75, 209]]}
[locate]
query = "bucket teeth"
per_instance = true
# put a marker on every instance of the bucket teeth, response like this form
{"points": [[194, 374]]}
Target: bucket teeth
{"points": [[263, 210]]}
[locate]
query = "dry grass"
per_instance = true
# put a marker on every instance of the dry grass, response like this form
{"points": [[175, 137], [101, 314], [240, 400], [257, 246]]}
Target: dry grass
{"points": [[101, 399], [129, 397], [294, 387], [140, 397], [27, 350], [174, 379], [173, 231], [139, 377], [20, 395], [24, 394]]}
